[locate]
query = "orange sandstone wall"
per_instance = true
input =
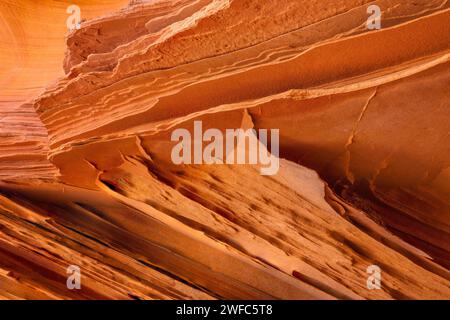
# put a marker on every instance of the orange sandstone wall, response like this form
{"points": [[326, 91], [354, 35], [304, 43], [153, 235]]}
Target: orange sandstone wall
{"points": [[87, 178]]}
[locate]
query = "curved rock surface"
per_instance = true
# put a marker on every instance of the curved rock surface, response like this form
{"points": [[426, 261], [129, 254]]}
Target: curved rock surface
{"points": [[86, 176]]}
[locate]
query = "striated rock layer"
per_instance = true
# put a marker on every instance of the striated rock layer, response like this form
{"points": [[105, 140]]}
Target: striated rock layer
{"points": [[86, 176]]}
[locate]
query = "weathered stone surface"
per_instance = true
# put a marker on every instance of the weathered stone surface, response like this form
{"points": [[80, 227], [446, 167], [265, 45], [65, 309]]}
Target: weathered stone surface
{"points": [[86, 176]]}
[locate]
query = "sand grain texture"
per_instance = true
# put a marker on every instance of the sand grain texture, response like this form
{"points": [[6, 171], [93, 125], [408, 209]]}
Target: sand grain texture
{"points": [[86, 176]]}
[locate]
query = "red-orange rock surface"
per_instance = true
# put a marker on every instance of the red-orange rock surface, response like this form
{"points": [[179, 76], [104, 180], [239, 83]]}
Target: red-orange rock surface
{"points": [[86, 176]]}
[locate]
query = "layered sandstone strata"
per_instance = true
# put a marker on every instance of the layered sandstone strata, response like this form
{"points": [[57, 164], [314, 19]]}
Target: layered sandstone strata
{"points": [[364, 178]]}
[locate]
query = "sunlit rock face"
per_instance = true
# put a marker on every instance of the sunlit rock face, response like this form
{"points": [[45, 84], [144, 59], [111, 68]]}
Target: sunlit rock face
{"points": [[87, 176]]}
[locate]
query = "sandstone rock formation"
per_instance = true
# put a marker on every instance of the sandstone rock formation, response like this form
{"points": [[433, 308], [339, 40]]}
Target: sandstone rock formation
{"points": [[86, 176]]}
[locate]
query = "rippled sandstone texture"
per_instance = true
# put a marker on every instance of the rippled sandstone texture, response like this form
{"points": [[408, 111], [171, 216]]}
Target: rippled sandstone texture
{"points": [[87, 179]]}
